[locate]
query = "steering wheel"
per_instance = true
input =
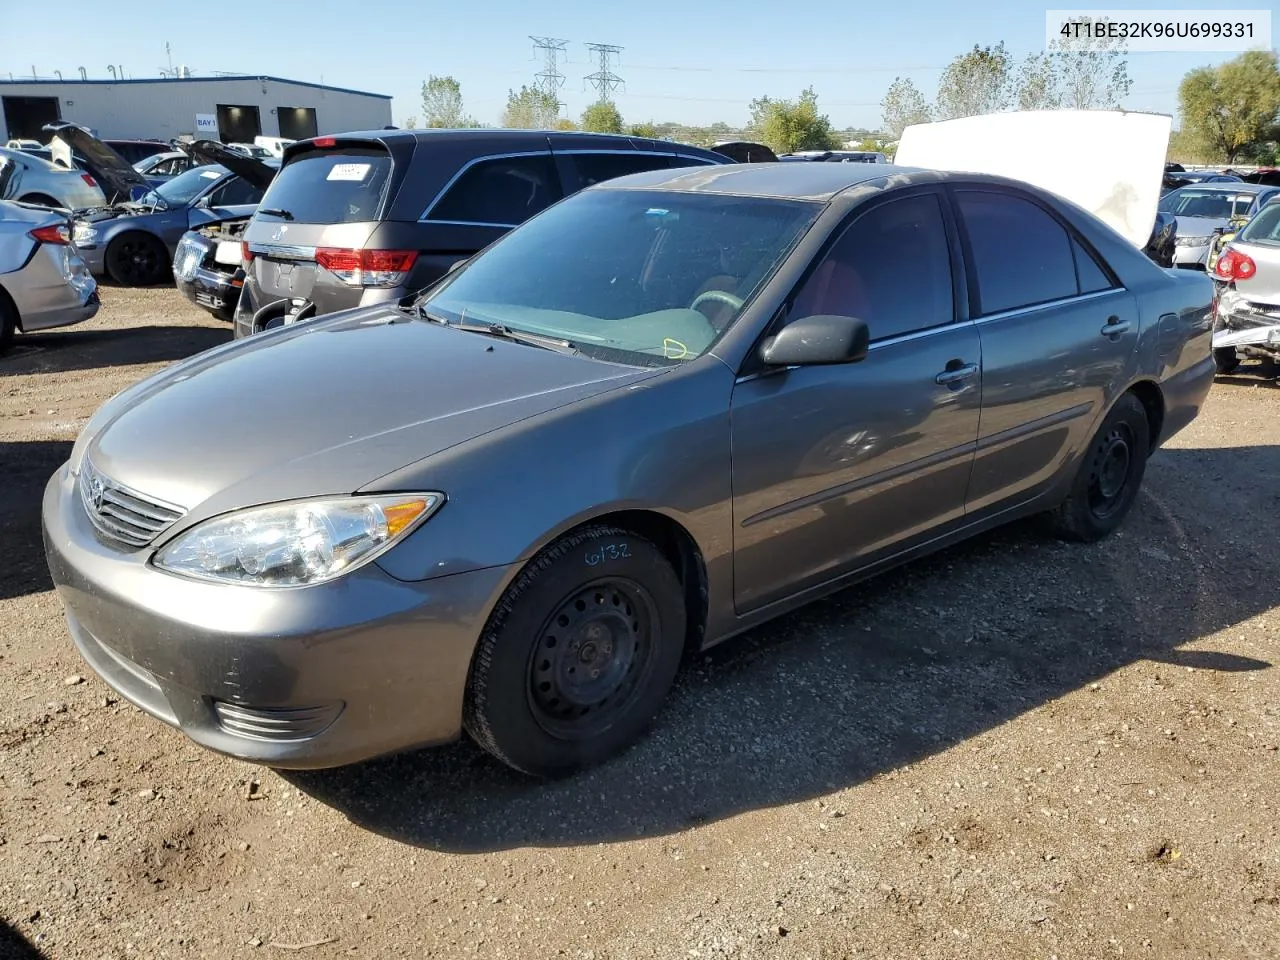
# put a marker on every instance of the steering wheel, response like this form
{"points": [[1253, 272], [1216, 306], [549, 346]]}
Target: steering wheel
{"points": [[720, 296]]}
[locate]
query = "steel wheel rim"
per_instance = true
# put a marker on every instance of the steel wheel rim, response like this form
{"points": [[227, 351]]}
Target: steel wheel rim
{"points": [[1110, 471], [590, 658]]}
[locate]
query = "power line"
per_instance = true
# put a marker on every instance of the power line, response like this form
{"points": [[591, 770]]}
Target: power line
{"points": [[604, 79], [549, 80]]}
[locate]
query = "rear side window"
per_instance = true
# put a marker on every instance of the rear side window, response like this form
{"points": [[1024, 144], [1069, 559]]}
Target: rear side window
{"points": [[590, 168], [1021, 255], [1092, 278], [1265, 227], [346, 185], [502, 191]]}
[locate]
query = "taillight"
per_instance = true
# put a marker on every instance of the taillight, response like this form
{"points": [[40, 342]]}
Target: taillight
{"points": [[245, 253], [1234, 265], [324, 141], [88, 179], [58, 233], [367, 268]]}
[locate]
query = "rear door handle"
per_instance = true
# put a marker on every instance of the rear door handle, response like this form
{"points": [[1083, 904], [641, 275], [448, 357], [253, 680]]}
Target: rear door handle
{"points": [[956, 374], [1115, 326]]}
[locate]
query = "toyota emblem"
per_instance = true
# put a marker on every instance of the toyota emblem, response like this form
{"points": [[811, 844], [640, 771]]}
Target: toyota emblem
{"points": [[96, 492]]}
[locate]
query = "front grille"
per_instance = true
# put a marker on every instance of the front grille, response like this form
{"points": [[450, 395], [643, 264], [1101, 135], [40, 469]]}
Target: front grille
{"points": [[120, 515], [278, 725]]}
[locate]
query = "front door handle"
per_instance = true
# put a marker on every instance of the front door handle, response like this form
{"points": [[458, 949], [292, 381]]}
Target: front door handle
{"points": [[956, 373], [1115, 326]]}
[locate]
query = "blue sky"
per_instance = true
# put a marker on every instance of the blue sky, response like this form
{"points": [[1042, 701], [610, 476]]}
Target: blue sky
{"points": [[682, 60]]}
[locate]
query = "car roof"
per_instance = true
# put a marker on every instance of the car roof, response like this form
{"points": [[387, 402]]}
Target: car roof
{"points": [[1233, 187], [799, 181], [515, 137]]}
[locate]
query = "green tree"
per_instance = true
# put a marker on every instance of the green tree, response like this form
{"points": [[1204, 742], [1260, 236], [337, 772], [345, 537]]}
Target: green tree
{"points": [[442, 104], [1039, 87], [1089, 73], [530, 109], [602, 117], [1231, 109], [791, 125], [647, 129], [411, 123], [564, 123], [902, 106], [975, 83]]}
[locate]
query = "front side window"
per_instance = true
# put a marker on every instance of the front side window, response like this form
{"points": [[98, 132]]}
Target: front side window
{"points": [[634, 276], [503, 191], [183, 189], [891, 269], [591, 168], [235, 191], [1022, 256]]}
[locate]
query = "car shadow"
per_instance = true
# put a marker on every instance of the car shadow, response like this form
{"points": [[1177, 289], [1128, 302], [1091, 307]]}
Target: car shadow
{"points": [[878, 676], [14, 946], [27, 467], [62, 351]]}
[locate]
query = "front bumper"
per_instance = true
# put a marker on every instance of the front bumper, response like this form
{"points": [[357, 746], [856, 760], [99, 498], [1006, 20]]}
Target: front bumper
{"points": [[1192, 257], [213, 290], [302, 678]]}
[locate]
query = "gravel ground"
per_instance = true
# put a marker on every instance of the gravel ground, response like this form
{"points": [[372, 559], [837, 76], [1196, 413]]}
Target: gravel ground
{"points": [[1015, 749]]}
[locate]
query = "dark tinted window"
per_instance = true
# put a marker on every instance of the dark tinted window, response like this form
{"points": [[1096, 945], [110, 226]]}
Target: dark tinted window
{"points": [[503, 191], [1091, 275], [1021, 255], [589, 168], [891, 268], [343, 185], [235, 191]]}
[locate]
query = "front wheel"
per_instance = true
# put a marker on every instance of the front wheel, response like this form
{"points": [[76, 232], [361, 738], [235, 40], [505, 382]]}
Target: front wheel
{"points": [[577, 658], [1109, 477], [137, 260]]}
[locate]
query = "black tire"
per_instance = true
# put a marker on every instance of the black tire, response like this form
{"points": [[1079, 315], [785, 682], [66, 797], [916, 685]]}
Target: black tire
{"points": [[1225, 360], [8, 321], [137, 259], [40, 200], [622, 612], [1109, 477]]}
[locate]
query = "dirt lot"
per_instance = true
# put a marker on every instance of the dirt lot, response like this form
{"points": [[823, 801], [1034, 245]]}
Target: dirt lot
{"points": [[1017, 749]]}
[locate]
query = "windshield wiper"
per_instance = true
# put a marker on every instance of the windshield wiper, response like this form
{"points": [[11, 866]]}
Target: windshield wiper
{"points": [[517, 336], [277, 212]]}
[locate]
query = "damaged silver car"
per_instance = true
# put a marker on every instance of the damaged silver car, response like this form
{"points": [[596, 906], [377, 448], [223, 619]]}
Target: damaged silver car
{"points": [[1247, 312]]}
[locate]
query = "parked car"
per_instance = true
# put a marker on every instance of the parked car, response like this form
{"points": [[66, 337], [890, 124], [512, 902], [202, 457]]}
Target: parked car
{"points": [[135, 151], [251, 150], [1203, 209], [23, 145], [619, 433], [1164, 239], [208, 265], [30, 179], [43, 281], [1247, 308], [834, 156], [1183, 178], [160, 167], [134, 242], [368, 217]]}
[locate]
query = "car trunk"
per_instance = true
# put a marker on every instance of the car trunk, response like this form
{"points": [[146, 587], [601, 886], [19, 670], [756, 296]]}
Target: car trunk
{"points": [[317, 218], [1264, 286]]}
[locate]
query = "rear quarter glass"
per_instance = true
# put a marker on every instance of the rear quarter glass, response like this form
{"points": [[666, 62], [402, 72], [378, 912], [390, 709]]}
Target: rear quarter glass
{"points": [[343, 185]]}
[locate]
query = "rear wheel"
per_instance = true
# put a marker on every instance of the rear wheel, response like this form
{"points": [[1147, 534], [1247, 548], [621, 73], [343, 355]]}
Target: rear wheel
{"points": [[8, 321], [137, 259], [1226, 360], [1109, 477], [578, 656]]}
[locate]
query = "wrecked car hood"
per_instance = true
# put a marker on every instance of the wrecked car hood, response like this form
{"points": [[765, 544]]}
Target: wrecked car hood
{"points": [[256, 172], [115, 173], [1058, 151]]}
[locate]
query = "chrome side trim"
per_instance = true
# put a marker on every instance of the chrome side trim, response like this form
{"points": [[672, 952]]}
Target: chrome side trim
{"points": [[1051, 304]]}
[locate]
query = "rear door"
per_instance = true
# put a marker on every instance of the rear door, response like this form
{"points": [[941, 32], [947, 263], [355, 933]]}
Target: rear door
{"points": [[326, 200], [1057, 333]]}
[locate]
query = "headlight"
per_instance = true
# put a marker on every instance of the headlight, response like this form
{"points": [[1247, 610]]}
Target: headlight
{"points": [[293, 544], [84, 233], [1191, 242]]}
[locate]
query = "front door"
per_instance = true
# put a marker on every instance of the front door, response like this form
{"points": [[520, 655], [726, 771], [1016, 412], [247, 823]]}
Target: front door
{"points": [[835, 465], [1057, 334]]}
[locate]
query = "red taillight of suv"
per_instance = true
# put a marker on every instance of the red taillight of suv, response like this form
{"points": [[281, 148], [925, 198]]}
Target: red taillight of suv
{"points": [[368, 268], [245, 253], [1234, 265], [58, 233], [88, 179]]}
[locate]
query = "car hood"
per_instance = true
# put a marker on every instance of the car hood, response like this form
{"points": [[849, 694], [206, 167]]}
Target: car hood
{"points": [[251, 169], [108, 166], [1057, 150], [326, 407]]}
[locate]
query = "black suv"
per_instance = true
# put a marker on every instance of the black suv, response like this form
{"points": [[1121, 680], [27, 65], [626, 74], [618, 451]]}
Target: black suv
{"points": [[361, 218]]}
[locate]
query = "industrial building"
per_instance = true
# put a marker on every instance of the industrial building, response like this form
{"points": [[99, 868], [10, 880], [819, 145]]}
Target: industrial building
{"points": [[233, 109]]}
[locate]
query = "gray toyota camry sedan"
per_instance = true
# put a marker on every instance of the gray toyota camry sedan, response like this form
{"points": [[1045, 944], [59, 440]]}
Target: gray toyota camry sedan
{"points": [[664, 410]]}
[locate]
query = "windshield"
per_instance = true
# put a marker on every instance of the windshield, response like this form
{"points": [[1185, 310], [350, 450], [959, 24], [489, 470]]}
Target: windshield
{"points": [[1210, 204], [185, 187], [1265, 227], [636, 276]]}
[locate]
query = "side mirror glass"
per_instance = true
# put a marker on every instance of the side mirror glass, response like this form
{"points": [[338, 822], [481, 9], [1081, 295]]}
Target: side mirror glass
{"points": [[823, 339]]}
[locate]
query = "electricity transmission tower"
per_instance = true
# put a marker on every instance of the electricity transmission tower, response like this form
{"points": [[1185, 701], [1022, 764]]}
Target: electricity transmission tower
{"points": [[604, 79], [550, 79]]}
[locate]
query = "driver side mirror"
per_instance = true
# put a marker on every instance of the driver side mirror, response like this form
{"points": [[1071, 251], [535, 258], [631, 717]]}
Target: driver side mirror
{"points": [[822, 339], [204, 203]]}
